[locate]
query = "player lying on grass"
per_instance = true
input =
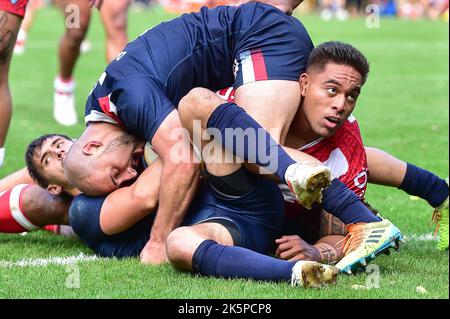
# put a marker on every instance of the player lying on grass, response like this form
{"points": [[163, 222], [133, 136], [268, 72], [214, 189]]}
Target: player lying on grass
{"points": [[141, 89], [112, 226], [56, 154]]}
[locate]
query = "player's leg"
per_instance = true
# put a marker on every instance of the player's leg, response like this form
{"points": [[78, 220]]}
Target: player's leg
{"points": [[254, 144], [114, 18], [387, 170], [9, 27], [27, 22], [29, 207], [76, 18], [208, 249]]}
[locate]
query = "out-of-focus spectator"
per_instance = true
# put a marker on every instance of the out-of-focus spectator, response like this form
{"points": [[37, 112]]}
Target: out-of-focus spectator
{"points": [[333, 8], [431, 9]]}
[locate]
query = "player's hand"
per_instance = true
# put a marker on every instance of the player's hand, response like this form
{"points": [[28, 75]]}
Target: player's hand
{"points": [[293, 248], [96, 4], [154, 253]]}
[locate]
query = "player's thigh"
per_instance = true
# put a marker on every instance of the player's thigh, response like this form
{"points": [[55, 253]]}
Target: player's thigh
{"points": [[77, 14], [272, 103], [9, 27]]}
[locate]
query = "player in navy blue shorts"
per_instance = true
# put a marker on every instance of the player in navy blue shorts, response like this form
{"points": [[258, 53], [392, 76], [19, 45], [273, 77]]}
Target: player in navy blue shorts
{"points": [[140, 90], [235, 217]]}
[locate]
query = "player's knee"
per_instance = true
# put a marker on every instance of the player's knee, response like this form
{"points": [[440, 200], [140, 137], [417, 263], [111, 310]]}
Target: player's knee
{"points": [[179, 254], [197, 103], [76, 35]]}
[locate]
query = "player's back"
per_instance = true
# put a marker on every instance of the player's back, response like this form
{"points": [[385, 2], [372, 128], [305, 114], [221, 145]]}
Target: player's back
{"points": [[196, 49]]}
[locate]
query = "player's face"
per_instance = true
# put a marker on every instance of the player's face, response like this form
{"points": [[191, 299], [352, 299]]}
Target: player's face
{"points": [[49, 159], [329, 97], [115, 166]]}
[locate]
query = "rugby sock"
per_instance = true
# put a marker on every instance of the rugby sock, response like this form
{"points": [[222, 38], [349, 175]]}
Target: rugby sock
{"points": [[426, 185], [258, 147], [341, 202], [12, 216], [212, 259], [2, 156]]}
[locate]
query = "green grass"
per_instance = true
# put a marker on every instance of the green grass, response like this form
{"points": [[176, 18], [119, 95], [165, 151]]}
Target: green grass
{"points": [[403, 110]]}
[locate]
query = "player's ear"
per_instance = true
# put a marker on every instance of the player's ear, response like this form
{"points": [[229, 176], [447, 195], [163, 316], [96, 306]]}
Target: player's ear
{"points": [[54, 189], [91, 147], [304, 82]]}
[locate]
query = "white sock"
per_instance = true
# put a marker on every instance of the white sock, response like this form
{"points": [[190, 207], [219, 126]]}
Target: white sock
{"points": [[2, 155], [21, 36], [64, 86]]}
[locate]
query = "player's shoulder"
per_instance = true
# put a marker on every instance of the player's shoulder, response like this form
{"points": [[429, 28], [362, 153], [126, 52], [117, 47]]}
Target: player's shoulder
{"points": [[351, 124]]}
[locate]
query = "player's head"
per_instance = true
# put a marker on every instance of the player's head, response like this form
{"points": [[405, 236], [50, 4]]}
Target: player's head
{"points": [[330, 87], [98, 165], [44, 157]]}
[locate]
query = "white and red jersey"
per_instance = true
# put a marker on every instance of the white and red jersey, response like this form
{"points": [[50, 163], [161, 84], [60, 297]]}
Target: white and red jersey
{"points": [[12, 216], [344, 154]]}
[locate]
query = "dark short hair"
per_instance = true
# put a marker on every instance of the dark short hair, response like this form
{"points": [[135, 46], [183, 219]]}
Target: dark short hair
{"points": [[34, 146], [339, 53]]}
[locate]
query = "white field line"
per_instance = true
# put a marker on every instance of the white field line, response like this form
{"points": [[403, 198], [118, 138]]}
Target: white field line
{"points": [[42, 262], [423, 237]]}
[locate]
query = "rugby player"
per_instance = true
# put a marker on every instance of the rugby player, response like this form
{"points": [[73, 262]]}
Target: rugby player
{"points": [[142, 87], [346, 135], [113, 15], [11, 15]]}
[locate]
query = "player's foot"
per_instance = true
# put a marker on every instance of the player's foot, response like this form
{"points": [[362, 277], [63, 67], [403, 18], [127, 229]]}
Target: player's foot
{"points": [[306, 181], [365, 241], [19, 47], [326, 14], [341, 14], [313, 274], [440, 217], [64, 102]]}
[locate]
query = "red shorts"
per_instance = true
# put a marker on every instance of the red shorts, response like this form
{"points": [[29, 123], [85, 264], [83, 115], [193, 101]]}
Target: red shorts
{"points": [[16, 7]]}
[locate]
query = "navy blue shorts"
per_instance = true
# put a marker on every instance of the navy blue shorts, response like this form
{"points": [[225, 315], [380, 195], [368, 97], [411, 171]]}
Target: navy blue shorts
{"points": [[254, 220]]}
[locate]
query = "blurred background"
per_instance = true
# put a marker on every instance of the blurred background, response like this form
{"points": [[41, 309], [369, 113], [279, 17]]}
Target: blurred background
{"points": [[328, 9]]}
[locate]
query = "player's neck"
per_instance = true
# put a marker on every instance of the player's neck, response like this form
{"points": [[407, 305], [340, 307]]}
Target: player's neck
{"points": [[300, 132]]}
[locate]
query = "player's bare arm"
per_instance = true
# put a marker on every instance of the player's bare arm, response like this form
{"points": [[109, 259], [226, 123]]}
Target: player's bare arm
{"points": [[178, 185], [127, 205]]}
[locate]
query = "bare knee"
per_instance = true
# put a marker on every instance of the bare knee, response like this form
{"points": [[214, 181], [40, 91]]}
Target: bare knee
{"points": [[75, 35], [180, 248], [199, 103]]}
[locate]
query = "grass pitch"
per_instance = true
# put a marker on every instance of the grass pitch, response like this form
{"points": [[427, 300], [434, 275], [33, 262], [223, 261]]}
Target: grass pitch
{"points": [[403, 109]]}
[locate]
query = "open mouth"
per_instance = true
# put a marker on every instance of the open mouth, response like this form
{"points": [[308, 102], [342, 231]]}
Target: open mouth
{"points": [[332, 121]]}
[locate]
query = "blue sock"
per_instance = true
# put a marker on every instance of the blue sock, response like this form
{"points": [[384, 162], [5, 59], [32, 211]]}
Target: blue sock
{"points": [[212, 259], [341, 202], [258, 147], [426, 185]]}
